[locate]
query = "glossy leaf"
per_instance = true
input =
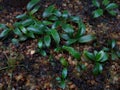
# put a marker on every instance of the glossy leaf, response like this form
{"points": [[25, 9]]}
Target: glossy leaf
{"points": [[114, 56], [55, 36], [96, 3], [22, 38], [45, 22], [4, 33], [86, 38], [57, 13], [48, 11], [17, 32], [65, 36], [105, 2], [30, 34], [34, 10], [64, 73], [112, 43], [97, 69], [111, 6], [97, 13], [67, 28], [72, 51], [31, 4], [71, 41], [34, 29], [99, 55], [56, 24], [21, 16], [47, 40], [27, 22], [40, 43], [23, 29], [65, 14], [42, 52], [75, 19], [62, 84], [64, 62], [89, 55], [2, 26], [15, 41], [112, 12]]}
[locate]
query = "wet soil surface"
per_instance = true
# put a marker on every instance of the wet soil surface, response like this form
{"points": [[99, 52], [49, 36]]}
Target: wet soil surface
{"points": [[35, 72]]}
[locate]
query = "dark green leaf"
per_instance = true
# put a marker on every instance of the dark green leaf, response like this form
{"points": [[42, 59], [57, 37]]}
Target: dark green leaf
{"points": [[65, 36], [31, 4], [97, 13], [114, 56], [86, 38], [112, 6], [118, 53], [75, 19], [105, 57], [30, 34], [72, 51], [67, 28], [47, 22], [65, 14], [40, 43], [58, 79], [2, 26], [105, 2], [17, 32], [96, 3], [62, 84], [22, 38], [71, 41], [112, 12], [47, 40], [53, 18], [113, 43], [56, 24], [34, 29], [48, 11], [4, 33], [27, 22], [55, 36], [15, 41], [89, 55], [57, 13], [81, 30], [23, 29], [64, 73], [34, 10], [21, 16], [64, 62], [99, 55], [43, 53], [97, 69]]}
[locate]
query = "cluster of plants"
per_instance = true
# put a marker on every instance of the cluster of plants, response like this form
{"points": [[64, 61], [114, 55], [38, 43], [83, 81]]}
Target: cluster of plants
{"points": [[104, 6], [63, 30]]}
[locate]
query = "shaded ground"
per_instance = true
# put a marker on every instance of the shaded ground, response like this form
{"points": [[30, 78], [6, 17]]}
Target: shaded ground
{"points": [[39, 73]]}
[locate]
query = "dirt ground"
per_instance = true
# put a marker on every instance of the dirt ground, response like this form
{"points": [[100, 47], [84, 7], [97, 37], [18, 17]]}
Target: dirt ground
{"points": [[38, 73]]}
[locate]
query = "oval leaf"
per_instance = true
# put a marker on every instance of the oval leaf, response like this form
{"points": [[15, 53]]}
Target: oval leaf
{"points": [[86, 38], [31, 4], [72, 51], [47, 40], [55, 36]]}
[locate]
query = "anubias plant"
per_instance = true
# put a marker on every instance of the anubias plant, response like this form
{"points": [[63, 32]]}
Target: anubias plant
{"points": [[112, 49], [105, 6], [54, 25], [63, 79], [98, 58]]}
